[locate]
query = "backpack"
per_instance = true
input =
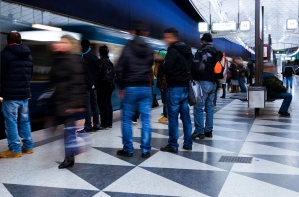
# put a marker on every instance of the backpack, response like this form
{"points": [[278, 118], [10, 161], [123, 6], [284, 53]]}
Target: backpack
{"points": [[218, 70], [108, 71]]}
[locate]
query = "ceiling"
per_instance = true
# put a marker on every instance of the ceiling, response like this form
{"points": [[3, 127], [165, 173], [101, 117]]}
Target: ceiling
{"points": [[276, 14]]}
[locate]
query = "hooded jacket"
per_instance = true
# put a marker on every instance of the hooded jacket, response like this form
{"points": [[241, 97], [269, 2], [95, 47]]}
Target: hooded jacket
{"points": [[134, 68], [273, 84], [174, 68], [16, 72], [92, 66]]}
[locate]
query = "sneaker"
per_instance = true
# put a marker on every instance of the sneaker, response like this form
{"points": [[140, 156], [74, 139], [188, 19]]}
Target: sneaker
{"points": [[187, 148], [10, 154], [133, 122], [209, 134], [83, 131], [146, 155], [222, 97], [169, 149], [197, 135], [96, 128], [27, 151], [163, 119], [124, 153], [284, 114]]}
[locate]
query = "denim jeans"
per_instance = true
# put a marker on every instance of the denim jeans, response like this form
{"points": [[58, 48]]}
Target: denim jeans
{"points": [[223, 90], [289, 82], [209, 91], [287, 99], [92, 110], [242, 84], [139, 98], [17, 122], [177, 103]]}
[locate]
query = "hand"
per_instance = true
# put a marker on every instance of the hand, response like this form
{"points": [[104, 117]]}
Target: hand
{"points": [[121, 94], [72, 111]]}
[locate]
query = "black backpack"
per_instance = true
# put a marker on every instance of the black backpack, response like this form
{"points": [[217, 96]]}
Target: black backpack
{"points": [[108, 71]]}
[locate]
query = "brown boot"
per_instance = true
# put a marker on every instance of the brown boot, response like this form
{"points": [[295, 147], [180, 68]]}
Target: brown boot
{"points": [[27, 151], [10, 154]]}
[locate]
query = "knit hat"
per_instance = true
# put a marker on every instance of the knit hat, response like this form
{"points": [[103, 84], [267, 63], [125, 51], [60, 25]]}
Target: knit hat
{"points": [[163, 53], [207, 37]]}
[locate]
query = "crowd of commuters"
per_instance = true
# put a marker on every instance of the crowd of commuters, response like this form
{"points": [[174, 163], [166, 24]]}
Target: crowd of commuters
{"points": [[82, 84]]}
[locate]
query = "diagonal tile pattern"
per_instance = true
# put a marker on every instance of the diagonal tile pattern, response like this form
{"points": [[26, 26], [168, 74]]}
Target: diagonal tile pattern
{"points": [[272, 141]]}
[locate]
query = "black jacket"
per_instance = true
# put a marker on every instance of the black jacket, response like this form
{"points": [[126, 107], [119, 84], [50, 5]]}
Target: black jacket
{"points": [[68, 77], [174, 68], [16, 72], [235, 73], [135, 62], [101, 83], [250, 65], [208, 74], [288, 71], [91, 63]]}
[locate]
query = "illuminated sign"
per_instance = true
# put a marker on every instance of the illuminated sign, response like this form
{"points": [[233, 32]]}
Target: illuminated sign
{"points": [[224, 26], [292, 24], [245, 25], [203, 27]]}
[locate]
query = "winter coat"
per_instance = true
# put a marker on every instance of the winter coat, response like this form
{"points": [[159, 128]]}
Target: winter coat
{"points": [[174, 68], [161, 79], [135, 62], [234, 72], [16, 72], [273, 84], [68, 77], [288, 71], [101, 84]]}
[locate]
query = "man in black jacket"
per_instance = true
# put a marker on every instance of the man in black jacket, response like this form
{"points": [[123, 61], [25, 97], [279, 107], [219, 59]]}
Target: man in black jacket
{"points": [[133, 71], [91, 63], [178, 57], [16, 72], [288, 72]]}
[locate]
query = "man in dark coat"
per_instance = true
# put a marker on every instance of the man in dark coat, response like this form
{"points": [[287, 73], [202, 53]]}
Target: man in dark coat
{"points": [[275, 89], [16, 72]]}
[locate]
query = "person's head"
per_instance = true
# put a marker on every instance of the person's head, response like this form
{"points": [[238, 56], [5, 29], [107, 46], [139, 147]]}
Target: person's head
{"points": [[269, 67], [171, 35], [140, 28], [67, 44], [104, 51], [14, 37], [206, 39], [238, 60], [85, 45]]}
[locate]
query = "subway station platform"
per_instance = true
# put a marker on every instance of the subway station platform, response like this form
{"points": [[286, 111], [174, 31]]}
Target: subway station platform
{"points": [[272, 141]]}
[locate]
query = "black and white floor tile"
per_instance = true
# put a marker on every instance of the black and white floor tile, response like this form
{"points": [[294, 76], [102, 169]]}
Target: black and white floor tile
{"points": [[272, 141]]}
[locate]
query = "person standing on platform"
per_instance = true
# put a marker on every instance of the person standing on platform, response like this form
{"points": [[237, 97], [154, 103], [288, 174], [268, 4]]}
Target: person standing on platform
{"points": [[224, 63], [16, 72], [161, 81], [105, 87], [91, 64], [250, 66], [68, 77], [178, 58], [209, 87], [288, 72], [133, 71]]}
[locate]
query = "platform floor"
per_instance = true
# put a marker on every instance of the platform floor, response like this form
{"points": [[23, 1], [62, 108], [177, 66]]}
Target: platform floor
{"points": [[272, 141]]}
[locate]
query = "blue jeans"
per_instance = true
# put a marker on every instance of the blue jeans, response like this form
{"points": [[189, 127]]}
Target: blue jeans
{"points": [[17, 122], [177, 103], [139, 98], [287, 99], [209, 91], [242, 84], [92, 110], [289, 81]]}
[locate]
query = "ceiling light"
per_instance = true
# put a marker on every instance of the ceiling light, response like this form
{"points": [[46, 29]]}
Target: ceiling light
{"points": [[46, 27], [292, 24], [245, 25], [203, 27]]}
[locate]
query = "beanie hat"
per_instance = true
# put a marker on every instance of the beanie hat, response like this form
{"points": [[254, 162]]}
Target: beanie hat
{"points": [[207, 37], [163, 53]]}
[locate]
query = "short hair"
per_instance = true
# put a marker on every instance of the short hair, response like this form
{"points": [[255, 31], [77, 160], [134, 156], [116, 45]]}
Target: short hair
{"points": [[74, 43], [85, 44], [104, 50], [14, 37], [172, 31], [138, 27]]}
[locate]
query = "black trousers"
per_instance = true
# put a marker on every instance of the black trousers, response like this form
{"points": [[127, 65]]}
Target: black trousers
{"points": [[105, 106]]}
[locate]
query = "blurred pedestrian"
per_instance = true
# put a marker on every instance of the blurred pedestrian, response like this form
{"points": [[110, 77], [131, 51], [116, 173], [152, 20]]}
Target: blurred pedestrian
{"points": [[105, 87], [288, 72], [16, 72], [224, 63], [250, 66], [68, 77], [133, 68]]}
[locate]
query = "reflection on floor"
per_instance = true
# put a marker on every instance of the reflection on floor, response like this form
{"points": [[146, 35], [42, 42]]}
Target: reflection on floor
{"points": [[272, 141]]}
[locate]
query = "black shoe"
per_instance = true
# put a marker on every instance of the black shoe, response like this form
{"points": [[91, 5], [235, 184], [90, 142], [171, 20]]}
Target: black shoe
{"points": [[222, 97], [169, 149], [187, 148], [284, 114], [110, 127], [209, 134], [197, 135], [96, 128], [146, 155], [124, 153], [66, 164]]}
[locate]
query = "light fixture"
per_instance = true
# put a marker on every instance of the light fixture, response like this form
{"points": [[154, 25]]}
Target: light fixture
{"points": [[203, 27], [224, 26], [292, 24], [46, 27], [245, 25], [47, 36]]}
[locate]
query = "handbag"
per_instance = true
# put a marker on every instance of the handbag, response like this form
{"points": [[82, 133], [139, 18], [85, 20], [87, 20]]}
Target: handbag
{"points": [[155, 101]]}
